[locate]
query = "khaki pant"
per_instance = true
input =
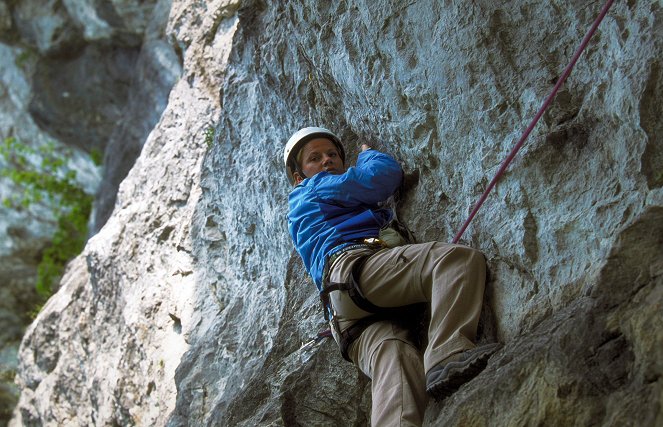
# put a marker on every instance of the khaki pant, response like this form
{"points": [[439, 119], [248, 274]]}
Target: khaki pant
{"points": [[451, 278]]}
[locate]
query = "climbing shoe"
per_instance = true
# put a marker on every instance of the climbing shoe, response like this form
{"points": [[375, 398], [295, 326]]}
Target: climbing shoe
{"points": [[447, 377]]}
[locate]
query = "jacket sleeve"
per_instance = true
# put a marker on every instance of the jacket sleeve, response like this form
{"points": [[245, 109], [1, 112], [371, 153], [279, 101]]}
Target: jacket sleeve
{"points": [[375, 177]]}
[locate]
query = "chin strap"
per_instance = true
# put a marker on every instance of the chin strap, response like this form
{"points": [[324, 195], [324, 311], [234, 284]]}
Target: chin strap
{"points": [[297, 168]]}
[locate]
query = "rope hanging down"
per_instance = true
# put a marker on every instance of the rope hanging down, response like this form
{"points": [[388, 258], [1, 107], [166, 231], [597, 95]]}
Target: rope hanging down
{"points": [[542, 110]]}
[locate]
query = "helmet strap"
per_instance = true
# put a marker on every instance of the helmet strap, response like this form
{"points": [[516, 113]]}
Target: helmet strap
{"points": [[297, 168]]}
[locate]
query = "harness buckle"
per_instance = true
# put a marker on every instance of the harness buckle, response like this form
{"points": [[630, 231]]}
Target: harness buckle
{"points": [[374, 241]]}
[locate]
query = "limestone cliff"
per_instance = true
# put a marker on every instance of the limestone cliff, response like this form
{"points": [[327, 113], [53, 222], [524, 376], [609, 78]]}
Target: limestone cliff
{"points": [[88, 78], [189, 306]]}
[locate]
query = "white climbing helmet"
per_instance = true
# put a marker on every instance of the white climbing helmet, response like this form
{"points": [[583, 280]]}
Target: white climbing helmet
{"points": [[299, 139]]}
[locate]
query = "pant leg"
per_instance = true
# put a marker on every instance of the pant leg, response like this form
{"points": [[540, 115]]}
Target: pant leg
{"points": [[346, 312], [450, 277], [386, 355]]}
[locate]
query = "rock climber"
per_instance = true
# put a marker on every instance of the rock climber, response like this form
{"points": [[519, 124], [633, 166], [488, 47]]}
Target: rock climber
{"points": [[364, 276]]}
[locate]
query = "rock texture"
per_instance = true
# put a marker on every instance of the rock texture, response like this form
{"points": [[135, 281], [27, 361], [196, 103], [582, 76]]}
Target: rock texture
{"points": [[23, 233], [189, 306], [88, 75]]}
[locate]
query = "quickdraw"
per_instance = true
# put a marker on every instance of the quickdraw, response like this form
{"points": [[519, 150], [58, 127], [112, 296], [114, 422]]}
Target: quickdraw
{"points": [[319, 337]]}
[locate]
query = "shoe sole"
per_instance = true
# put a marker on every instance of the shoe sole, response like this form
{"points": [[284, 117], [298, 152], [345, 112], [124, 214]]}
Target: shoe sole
{"points": [[458, 373]]}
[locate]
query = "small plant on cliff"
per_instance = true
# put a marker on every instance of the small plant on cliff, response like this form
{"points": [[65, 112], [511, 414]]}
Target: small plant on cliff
{"points": [[44, 176], [209, 136], [27, 56]]}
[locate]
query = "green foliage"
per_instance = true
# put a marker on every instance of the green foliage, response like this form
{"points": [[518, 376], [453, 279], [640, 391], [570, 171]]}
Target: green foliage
{"points": [[28, 55], [7, 376], [37, 307], [209, 136], [97, 156], [43, 175]]}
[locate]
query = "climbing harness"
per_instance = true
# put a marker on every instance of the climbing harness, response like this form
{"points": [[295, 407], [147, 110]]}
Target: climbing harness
{"points": [[534, 121], [347, 336]]}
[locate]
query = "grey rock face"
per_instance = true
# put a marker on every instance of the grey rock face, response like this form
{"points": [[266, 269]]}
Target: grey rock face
{"points": [[70, 72], [189, 307], [45, 24], [79, 99], [23, 233], [151, 79]]}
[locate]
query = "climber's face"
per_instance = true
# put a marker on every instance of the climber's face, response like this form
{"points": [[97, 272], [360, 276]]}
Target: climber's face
{"points": [[318, 155]]}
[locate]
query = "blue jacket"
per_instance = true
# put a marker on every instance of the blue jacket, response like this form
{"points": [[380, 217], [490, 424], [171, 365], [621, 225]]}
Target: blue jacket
{"points": [[328, 212]]}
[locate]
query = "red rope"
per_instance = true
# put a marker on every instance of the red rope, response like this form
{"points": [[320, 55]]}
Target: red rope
{"points": [[542, 110]]}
